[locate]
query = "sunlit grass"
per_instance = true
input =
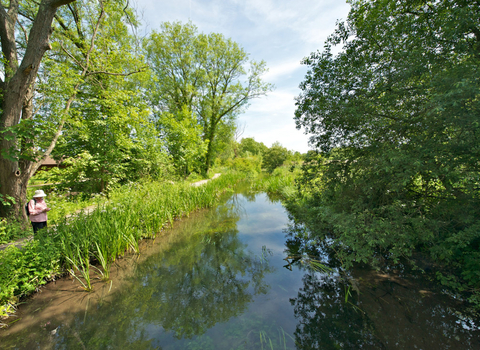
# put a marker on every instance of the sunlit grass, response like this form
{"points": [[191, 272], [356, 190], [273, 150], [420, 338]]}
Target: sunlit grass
{"points": [[280, 182], [132, 213]]}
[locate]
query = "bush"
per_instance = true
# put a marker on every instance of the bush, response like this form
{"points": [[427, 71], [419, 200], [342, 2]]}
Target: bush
{"points": [[274, 157], [11, 230], [249, 165], [23, 270]]}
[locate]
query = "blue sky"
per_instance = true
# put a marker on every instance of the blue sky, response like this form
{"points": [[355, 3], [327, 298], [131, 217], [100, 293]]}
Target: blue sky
{"points": [[280, 32]]}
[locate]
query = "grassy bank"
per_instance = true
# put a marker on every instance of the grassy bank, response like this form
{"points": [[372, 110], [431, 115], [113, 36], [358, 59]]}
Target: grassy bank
{"points": [[94, 241], [281, 182]]}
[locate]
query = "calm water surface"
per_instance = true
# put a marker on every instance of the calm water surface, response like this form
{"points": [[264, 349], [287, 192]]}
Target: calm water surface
{"points": [[238, 277]]}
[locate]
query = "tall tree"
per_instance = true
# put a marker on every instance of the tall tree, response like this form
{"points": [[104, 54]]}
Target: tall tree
{"points": [[204, 74], [20, 68], [397, 113], [109, 114], [251, 146], [74, 62]]}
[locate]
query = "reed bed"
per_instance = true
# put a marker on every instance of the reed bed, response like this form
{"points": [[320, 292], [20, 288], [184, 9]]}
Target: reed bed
{"points": [[133, 213], [281, 182]]}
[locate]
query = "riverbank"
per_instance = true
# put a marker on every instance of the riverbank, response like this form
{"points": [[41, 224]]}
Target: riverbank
{"points": [[133, 213], [218, 280], [87, 210]]}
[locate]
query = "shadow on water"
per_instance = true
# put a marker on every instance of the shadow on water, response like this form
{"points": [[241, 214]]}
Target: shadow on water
{"points": [[240, 277], [398, 308]]}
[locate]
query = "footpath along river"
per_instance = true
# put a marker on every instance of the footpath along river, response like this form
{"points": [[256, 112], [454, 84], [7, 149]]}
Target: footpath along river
{"points": [[219, 280]]}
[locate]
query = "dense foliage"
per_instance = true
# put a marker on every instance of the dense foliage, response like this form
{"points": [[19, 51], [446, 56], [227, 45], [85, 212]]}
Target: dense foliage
{"points": [[107, 137], [248, 146], [200, 85], [274, 157], [111, 109], [396, 116]]}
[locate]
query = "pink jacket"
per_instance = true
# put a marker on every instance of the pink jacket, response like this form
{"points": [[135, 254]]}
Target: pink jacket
{"points": [[35, 210]]}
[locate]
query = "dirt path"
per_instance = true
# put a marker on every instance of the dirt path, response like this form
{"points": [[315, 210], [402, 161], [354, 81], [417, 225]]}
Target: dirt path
{"points": [[199, 183], [22, 241]]}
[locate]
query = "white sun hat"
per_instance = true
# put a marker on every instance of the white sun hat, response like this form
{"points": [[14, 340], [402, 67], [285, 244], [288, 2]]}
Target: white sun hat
{"points": [[39, 193]]}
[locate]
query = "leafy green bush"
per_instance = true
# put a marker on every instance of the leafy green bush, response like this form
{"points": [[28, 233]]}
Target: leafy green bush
{"points": [[274, 157], [281, 182], [248, 146], [251, 166], [10, 230], [23, 270]]}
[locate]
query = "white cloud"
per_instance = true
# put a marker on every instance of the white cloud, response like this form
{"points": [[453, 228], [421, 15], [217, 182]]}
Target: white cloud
{"points": [[282, 70], [310, 20]]}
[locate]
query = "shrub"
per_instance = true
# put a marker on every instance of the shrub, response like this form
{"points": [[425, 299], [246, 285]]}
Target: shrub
{"points": [[249, 165], [274, 157]]}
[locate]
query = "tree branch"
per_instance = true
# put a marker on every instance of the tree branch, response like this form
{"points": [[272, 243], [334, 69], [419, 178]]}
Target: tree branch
{"points": [[58, 3], [26, 16], [13, 9], [24, 32], [71, 56], [7, 34], [67, 33], [94, 35], [116, 74], [50, 148]]}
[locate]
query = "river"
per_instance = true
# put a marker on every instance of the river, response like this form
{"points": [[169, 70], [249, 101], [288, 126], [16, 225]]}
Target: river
{"points": [[240, 276]]}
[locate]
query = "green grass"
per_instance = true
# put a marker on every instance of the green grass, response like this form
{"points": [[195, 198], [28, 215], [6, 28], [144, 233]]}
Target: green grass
{"points": [[87, 243], [75, 245], [133, 213], [281, 182]]}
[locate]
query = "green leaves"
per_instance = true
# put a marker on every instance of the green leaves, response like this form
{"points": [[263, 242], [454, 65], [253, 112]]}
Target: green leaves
{"points": [[396, 114], [204, 74], [274, 157], [108, 133], [22, 271]]}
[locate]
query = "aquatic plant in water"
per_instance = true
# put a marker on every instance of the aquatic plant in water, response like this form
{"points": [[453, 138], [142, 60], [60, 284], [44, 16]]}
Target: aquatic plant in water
{"points": [[81, 263], [134, 212]]}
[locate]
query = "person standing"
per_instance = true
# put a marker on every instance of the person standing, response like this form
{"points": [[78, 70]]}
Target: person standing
{"points": [[38, 211]]}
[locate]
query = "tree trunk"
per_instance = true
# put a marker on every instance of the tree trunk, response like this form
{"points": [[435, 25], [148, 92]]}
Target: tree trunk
{"points": [[14, 173], [208, 157]]}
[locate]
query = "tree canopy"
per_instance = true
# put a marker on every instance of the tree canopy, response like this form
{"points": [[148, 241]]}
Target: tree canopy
{"points": [[274, 156], [248, 145], [78, 86], [202, 74], [108, 136], [22, 55], [396, 114]]}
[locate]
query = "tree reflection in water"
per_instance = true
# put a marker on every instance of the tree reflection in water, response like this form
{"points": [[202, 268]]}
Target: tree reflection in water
{"points": [[203, 275], [206, 276], [393, 310], [199, 287], [320, 305]]}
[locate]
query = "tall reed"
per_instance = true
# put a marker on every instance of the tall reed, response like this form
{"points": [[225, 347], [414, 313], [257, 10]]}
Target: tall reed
{"points": [[134, 212]]}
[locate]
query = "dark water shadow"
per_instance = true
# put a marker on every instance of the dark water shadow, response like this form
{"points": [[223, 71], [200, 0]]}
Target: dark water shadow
{"points": [[393, 308]]}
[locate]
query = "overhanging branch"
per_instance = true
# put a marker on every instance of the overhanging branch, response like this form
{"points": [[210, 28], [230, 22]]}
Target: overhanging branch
{"points": [[116, 74]]}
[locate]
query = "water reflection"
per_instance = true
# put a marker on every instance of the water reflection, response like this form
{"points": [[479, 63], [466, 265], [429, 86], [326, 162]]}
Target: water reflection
{"points": [[369, 309], [236, 278], [205, 276]]}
